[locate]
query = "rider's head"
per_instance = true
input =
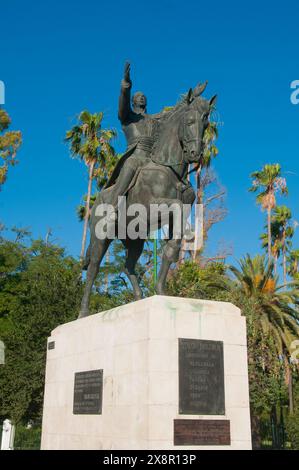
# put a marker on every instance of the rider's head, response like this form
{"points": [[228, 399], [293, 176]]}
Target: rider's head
{"points": [[139, 101]]}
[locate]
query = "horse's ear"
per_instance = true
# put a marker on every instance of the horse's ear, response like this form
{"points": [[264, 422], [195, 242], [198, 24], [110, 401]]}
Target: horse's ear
{"points": [[200, 88], [190, 96], [212, 101]]}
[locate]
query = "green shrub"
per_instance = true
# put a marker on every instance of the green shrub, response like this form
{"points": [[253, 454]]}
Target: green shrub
{"points": [[27, 438], [292, 427]]}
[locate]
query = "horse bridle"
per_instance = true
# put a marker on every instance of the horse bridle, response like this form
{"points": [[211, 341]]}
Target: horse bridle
{"points": [[184, 139]]}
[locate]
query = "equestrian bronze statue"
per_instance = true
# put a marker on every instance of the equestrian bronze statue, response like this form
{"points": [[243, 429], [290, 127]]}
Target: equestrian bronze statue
{"points": [[152, 172]]}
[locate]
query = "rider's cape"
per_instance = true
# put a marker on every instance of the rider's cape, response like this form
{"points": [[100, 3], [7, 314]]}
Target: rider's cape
{"points": [[119, 165]]}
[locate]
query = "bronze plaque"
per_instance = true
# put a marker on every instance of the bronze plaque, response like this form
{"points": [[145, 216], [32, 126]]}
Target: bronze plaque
{"points": [[201, 432], [201, 377], [88, 392]]}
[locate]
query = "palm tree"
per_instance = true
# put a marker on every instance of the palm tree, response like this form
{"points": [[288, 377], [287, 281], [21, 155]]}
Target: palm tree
{"points": [[281, 234], [210, 152], [275, 242], [90, 143], [255, 278], [81, 209], [282, 216], [293, 263], [268, 181], [277, 312]]}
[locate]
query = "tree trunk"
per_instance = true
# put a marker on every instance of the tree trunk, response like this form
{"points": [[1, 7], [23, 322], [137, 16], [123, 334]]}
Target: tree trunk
{"points": [[199, 197], [86, 218], [107, 261], [255, 431], [269, 234], [289, 382], [290, 390], [48, 234], [284, 259], [274, 428], [182, 250], [198, 186]]}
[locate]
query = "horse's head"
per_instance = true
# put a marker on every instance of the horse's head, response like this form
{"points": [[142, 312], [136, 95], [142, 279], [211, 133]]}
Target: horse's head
{"points": [[193, 124]]}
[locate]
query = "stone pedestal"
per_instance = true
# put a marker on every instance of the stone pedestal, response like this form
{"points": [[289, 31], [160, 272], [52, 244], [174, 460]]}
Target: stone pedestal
{"points": [[8, 435], [130, 378]]}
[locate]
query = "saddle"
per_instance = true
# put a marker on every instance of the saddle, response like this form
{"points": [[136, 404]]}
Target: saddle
{"points": [[180, 185]]}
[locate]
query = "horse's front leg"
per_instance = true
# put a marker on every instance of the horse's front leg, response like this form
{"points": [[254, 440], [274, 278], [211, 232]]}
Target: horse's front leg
{"points": [[171, 253], [134, 251], [98, 249], [172, 248]]}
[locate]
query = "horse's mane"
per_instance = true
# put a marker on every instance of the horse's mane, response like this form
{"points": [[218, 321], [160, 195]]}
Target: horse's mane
{"points": [[166, 149], [169, 113]]}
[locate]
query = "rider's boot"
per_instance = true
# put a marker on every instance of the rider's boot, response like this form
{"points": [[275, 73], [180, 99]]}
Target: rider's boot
{"points": [[120, 188]]}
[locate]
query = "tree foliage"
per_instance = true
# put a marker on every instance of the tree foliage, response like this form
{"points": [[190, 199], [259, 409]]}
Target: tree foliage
{"points": [[10, 142], [40, 289], [272, 323], [267, 182], [91, 144]]}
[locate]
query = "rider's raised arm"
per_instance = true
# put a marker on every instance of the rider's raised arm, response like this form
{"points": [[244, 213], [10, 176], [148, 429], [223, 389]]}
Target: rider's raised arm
{"points": [[124, 107]]}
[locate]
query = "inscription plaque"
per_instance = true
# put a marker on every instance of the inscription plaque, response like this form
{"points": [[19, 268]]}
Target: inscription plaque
{"points": [[209, 432], [88, 392], [201, 377]]}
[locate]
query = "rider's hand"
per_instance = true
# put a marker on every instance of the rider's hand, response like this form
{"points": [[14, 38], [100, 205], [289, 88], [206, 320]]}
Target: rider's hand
{"points": [[127, 77]]}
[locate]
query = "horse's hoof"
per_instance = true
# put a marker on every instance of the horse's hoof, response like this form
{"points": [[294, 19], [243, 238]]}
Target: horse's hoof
{"points": [[83, 313], [160, 290]]}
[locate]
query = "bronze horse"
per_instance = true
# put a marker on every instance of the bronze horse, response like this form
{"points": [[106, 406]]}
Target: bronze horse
{"points": [[180, 140]]}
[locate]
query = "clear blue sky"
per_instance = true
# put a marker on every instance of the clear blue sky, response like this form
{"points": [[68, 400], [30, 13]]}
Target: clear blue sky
{"points": [[60, 57]]}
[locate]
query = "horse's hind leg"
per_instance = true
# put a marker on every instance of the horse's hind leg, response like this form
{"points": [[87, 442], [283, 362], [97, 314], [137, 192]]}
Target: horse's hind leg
{"points": [[134, 251], [171, 253], [97, 249]]}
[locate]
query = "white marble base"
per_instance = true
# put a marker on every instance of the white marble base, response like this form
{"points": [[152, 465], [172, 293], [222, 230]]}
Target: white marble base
{"points": [[136, 345]]}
